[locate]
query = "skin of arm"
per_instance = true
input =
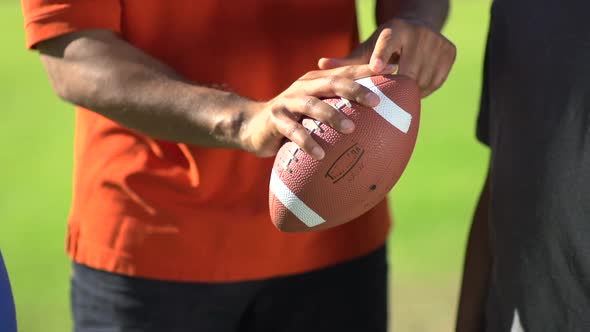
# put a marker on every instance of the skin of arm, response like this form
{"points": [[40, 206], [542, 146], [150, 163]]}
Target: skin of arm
{"points": [[432, 12], [477, 269], [98, 70]]}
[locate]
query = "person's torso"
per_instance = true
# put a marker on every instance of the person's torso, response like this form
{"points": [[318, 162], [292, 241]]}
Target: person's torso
{"points": [[166, 210]]}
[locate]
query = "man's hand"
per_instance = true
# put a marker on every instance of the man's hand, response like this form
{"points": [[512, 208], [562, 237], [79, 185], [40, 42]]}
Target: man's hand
{"points": [[264, 129], [421, 52]]}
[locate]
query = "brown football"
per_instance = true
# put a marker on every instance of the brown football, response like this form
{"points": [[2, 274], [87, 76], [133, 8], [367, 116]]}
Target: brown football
{"points": [[358, 170]]}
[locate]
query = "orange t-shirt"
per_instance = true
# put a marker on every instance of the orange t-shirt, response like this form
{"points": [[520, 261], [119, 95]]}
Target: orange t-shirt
{"points": [[158, 209]]}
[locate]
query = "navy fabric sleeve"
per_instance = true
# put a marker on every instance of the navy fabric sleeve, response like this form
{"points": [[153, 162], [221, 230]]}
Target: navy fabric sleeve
{"points": [[7, 312]]}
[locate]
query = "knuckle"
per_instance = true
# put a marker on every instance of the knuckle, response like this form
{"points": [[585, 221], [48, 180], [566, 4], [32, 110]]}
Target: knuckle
{"points": [[439, 81], [448, 46], [351, 72], [297, 88], [451, 45], [356, 89], [334, 80], [292, 129], [436, 83], [296, 85], [308, 102], [423, 85], [276, 111], [424, 34], [399, 23], [453, 50]]}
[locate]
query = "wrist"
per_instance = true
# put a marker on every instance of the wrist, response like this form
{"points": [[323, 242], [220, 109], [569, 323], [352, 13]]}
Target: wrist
{"points": [[231, 126], [430, 13]]}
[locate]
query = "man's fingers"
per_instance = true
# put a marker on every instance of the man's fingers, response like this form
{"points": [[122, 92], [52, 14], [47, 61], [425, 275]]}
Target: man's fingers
{"points": [[352, 72], [386, 45], [410, 62], [331, 63], [296, 132], [421, 52], [441, 74], [318, 110], [425, 75], [335, 86], [420, 61], [429, 82], [435, 61], [429, 45]]}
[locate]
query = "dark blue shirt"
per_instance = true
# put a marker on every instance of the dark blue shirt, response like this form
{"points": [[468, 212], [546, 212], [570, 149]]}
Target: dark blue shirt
{"points": [[7, 312]]}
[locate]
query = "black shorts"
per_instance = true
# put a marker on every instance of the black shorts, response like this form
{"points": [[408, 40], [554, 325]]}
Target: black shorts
{"points": [[351, 296]]}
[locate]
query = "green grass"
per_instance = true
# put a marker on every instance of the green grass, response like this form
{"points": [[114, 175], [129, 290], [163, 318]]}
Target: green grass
{"points": [[432, 202]]}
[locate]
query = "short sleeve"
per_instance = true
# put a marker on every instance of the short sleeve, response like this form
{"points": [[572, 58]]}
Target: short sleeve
{"points": [[46, 19]]}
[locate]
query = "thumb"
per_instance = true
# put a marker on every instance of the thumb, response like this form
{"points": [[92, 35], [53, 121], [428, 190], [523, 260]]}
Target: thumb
{"points": [[387, 46]]}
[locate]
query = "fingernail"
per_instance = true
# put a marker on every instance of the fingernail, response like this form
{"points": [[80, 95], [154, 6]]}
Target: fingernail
{"points": [[372, 99], [318, 153], [389, 68], [346, 126]]}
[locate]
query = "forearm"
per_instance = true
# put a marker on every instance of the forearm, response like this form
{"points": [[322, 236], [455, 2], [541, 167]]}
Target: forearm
{"points": [[432, 12], [477, 269], [118, 81]]}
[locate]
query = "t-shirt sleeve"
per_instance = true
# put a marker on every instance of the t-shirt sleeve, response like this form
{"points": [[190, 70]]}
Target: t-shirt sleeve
{"points": [[46, 19]]}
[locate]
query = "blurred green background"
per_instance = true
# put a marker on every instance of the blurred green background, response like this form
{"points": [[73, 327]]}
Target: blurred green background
{"points": [[432, 202]]}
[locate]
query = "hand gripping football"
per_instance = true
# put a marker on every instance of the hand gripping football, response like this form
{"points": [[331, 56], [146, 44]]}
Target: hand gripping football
{"points": [[358, 170]]}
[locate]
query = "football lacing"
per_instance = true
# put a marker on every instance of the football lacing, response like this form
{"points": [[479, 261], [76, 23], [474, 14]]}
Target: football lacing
{"points": [[343, 102], [293, 154], [317, 126]]}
